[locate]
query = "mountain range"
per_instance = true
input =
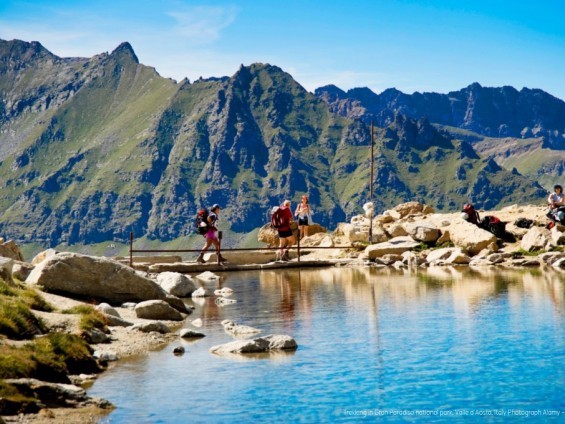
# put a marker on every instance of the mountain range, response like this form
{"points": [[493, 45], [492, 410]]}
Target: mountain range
{"points": [[93, 148]]}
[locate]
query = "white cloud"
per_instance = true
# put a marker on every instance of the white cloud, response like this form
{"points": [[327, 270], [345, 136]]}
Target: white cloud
{"points": [[203, 24]]}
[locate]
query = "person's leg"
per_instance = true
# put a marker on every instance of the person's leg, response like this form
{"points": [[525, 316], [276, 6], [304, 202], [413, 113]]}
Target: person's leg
{"points": [[216, 243], [200, 257], [282, 245], [289, 242], [305, 230]]}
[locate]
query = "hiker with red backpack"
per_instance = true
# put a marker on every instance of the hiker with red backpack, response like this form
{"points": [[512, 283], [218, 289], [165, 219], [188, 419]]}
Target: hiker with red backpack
{"points": [[280, 220], [206, 223]]}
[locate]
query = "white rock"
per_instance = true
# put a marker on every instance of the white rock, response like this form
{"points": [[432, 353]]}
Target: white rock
{"points": [[221, 301], [200, 292], [422, 231], [225, 291], [157, 309], [260, 344], [207, 276], [397, 245], [176, 283], [233, 328]]}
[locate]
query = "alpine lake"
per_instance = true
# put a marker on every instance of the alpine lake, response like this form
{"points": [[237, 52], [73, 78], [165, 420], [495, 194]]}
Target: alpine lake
{"points": [[440, 344]]}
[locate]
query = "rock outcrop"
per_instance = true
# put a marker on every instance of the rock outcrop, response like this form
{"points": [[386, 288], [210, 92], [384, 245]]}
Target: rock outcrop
{"points": [[93, 277]]}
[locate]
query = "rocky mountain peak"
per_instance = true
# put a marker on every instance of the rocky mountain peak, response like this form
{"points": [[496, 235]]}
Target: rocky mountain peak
{"points": [[125, 50], [16, 53], [364, 94]]}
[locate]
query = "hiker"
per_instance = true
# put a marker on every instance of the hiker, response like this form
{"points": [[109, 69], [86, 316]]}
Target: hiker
{"points": [[302, 215], [556, 202], [283, 216], [211, 235]]}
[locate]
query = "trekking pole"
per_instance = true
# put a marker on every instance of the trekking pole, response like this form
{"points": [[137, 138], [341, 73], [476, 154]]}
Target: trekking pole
{"points": [[298, 248], [131, 249]]}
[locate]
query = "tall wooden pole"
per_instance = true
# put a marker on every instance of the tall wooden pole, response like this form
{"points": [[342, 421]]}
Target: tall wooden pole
{"points": [[371, 182]]}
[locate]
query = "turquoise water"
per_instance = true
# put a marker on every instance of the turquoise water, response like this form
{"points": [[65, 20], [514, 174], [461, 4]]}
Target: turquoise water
{"points": [[437, 345]]}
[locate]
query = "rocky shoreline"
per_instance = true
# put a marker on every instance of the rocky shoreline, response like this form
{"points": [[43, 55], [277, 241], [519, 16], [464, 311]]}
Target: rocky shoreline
{"points": [[148, 308]]}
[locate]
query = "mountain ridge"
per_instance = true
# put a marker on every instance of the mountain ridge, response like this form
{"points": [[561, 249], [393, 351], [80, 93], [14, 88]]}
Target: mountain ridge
{"points": [[93, 148]]}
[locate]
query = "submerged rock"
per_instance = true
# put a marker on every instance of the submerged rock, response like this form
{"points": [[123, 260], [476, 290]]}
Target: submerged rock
{"points": [[237, 329]]}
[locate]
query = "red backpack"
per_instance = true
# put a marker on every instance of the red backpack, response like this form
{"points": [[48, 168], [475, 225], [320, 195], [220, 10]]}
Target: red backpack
{"points": [[279, 218], [201, 221], [473, 215]]}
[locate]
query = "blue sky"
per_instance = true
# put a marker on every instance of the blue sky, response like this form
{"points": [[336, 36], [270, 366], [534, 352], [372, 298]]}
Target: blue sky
{"points": [[411, 45]]}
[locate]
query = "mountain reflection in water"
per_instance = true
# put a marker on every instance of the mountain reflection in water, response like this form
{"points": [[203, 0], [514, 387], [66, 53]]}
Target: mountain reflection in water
{"points": [[371, 341]]}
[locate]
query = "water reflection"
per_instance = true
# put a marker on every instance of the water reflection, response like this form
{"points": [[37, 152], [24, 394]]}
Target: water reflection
{"points": [[468, 288], [368, 338]]}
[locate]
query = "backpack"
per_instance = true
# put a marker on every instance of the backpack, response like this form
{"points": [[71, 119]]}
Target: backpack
{"points": [[279, 218], [473, 215], [201, 221], [523, 223], [497, 227]]}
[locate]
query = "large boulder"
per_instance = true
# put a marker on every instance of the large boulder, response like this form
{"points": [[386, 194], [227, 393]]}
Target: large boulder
{"points": [[535, 239], [95, 278], [409, 208], [422, 231], [176, 283], [10, 249], [358, 231], [270, 236], [157, 309], [471, 238], [397, 246]]}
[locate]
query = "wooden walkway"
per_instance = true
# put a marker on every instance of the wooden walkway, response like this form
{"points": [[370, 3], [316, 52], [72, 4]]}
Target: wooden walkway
{"points": [[195, 267]]}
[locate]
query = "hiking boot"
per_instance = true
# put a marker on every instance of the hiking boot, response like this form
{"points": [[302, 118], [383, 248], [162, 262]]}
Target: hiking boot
{"points": [[277, 256], [222, 259], [200, 259], [285, 257]]}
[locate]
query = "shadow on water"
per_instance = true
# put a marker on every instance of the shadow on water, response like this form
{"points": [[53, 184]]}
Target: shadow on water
{"points": [[441, 339]]}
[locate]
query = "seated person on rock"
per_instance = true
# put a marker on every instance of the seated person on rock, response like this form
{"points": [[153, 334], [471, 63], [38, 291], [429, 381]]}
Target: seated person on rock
{"points": [[556, 202]]}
